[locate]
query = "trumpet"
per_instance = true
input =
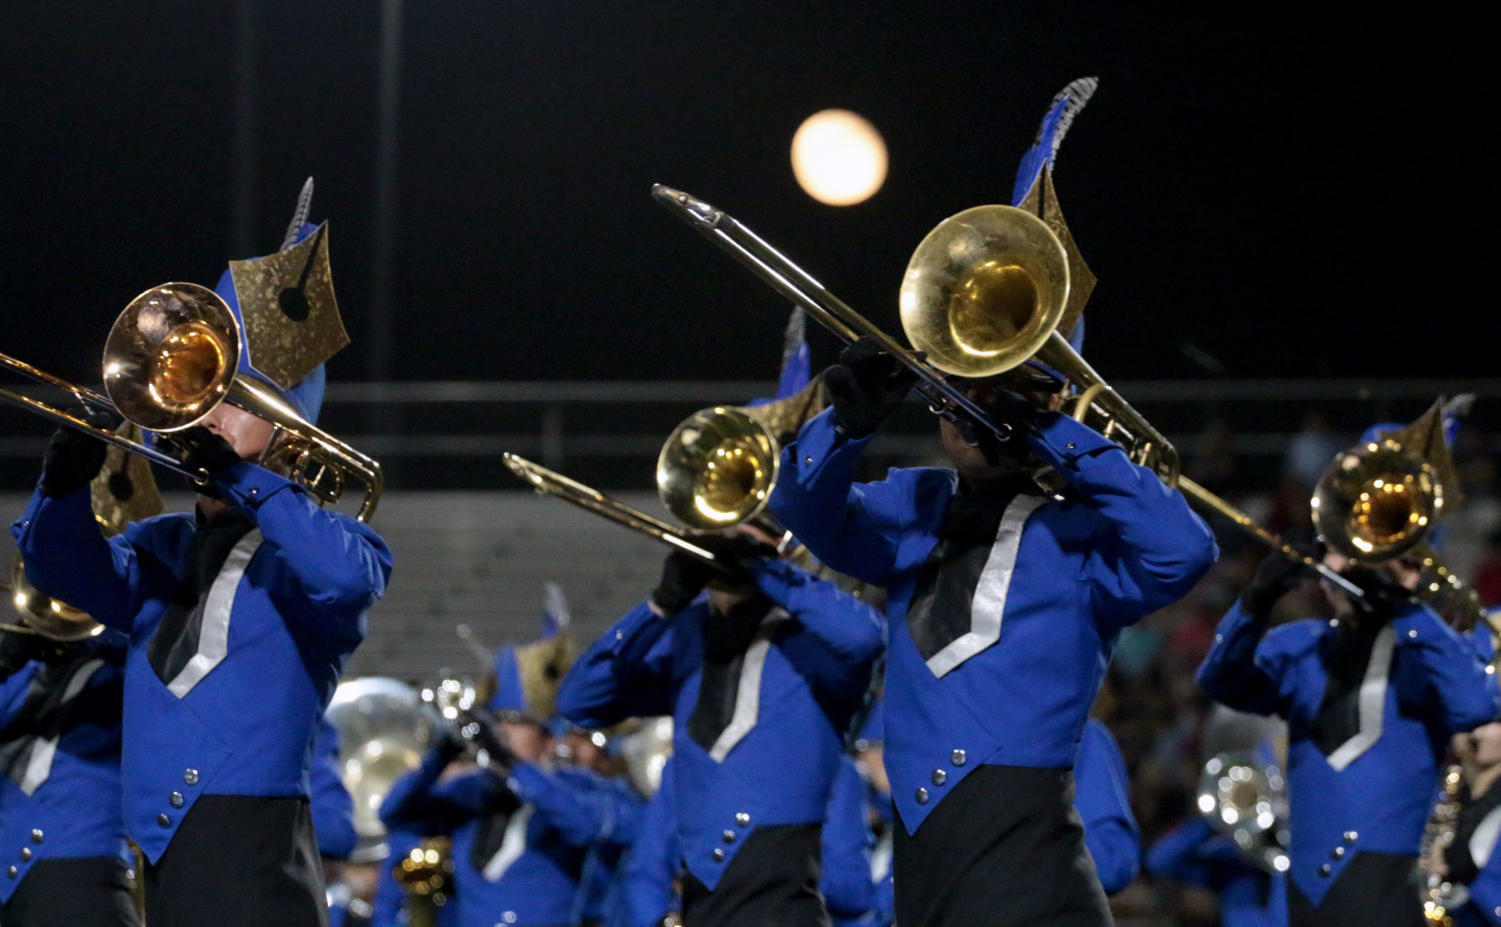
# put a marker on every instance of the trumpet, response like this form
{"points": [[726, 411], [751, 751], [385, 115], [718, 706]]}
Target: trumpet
{"points": [[170, 359]]}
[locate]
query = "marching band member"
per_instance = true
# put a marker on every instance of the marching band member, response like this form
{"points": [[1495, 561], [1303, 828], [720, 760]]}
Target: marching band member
{"points": [[60, 820], [1466, 857], [599, 902], [521, 831], [1005, 605], [1371, 699], [772, 664], [240, 617]]}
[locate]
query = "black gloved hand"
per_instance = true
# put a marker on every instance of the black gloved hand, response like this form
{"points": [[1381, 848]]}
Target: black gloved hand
{"points": [[16, 650], [205, 451], [866, 386], [1276, 576], [733, 557], [480, 731], [1382, 594], [1017, 417], [73, 458], [684, 576]]}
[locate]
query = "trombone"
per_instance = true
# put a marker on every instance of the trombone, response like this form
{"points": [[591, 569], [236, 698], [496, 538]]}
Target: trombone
{"points": [[983, 293], [171, 358], [551, 483]]}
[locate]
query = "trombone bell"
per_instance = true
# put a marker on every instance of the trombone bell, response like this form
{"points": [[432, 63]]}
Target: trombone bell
{"points": [[51, 618], [171, 356], [984, 291], [1376, 502], [717, 468]]}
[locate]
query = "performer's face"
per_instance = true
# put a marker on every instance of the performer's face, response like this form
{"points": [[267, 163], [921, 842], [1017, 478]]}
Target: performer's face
{"points": [[1485, 741], [248, 435], [1401, 572], [974, 464], [528, 741], [585, 752]]}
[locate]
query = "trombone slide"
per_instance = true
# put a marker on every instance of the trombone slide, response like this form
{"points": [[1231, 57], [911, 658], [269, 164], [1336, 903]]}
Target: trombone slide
{"points": [[552, 483], [778, 271]]}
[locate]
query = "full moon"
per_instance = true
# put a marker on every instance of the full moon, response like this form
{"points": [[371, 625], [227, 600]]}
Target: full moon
{"points": [[838, 157]]}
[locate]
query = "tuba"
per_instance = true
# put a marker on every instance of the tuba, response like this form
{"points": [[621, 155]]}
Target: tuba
{"points": [[384, 729], [170, 359]]}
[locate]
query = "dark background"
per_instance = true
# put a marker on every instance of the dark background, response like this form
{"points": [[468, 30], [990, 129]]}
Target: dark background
{"points": [[1260, 196]]}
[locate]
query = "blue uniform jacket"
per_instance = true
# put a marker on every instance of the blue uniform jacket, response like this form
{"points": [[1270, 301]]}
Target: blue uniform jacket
{"points": [[332, 806], [599, 898], [846, 885], [1482, 906], [800, 684], [1017, 689], [1102, 800], [533, 879], [240, 719], [1424, 683], [66, 802], [1194, 853]]}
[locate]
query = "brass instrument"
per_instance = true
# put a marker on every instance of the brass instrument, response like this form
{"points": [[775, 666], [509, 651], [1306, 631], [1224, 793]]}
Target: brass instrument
{"points": [[944, 399], [170, 359], [40, 614], [550, 482], [1441, 896], [1377, 502], [1247, 801], [646, 751], [718, 467], [984, 292], [426, 875], [384, 729]]}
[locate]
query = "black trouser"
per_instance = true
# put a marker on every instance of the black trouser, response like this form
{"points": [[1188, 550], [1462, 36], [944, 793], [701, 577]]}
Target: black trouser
{"points": [[1003, 849], [92, 891], [239, 861], [1373, 890], [771, 882]]}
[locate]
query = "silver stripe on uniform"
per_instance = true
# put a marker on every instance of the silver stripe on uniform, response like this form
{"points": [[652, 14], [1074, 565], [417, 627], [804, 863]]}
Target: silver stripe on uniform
{"points": [[1372, 701], [213, 632], [39, 764], [748, 694], [511, 846], [988, 606]]}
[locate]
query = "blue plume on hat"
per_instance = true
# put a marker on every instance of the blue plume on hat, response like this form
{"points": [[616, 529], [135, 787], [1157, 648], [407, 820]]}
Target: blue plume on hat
{"points": [[555, 615], [1064, 107], [1055, 124]]}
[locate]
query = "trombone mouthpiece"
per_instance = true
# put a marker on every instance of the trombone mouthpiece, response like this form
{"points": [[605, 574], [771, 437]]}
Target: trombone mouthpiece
{"points": [[688, 208]]}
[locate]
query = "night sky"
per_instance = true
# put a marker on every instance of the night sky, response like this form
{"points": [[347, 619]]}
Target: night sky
{"points": [[1259, 196]]}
